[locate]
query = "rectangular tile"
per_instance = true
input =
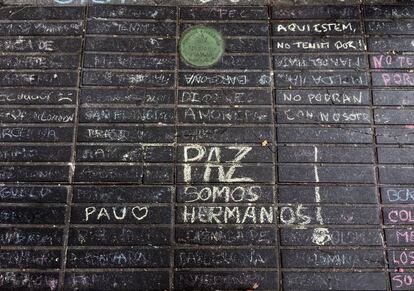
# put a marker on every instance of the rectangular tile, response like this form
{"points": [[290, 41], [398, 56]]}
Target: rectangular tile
{"points": [[40, 13], [317, 44], [294, 28], [337, 154], [393, 79], [33, 194], [333, 259], [394, 135], [120, 153], [247, 258], [31, 237], [36, 134], [125, 115], [29, 115], [122, 194], [325, 96], [237, 280], [133, 12], [399, 236], [121, 61], [128, 44], [322, 115], [109, 281], [139, 214], [394, 155], [44, 153], [343, 237], [124, 236], [29, 280], [207, 115], [248, 79], [393, 97], [130, 79], [30, 259], [235, 29], [389, 27], [397, 195], [131, 258], [41, 28], [119, 134], [300, 216], [39, 79], [388, 11], [390, 43], [36, 96], [40, 44], [136, 96], [32, 215], [391, 62], [334, 280], [125, 27], [327, 194], [32, 173], [324, 135], [314, 79], [396, 174], [219, 236], [317, 12], [224, 97], [283, 62], [187, 134], [326, 173], [232, 62], [40, 62], [223, 13]]}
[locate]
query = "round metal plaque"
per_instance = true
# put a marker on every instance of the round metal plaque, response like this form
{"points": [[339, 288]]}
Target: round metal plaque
{"points": [[201, 46]]}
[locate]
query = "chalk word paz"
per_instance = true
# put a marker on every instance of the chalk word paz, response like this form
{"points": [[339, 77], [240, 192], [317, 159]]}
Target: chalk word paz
{"points": [[225, 173]]}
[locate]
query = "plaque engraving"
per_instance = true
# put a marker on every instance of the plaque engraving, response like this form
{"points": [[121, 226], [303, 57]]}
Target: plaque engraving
{"points": [[201, 46]]}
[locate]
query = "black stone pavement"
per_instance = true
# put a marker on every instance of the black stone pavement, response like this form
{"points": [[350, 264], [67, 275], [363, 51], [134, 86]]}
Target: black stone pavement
{"points": [[288, 165]]}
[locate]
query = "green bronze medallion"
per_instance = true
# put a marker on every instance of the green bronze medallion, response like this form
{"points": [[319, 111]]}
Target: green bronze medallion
{"points": [[201, 46]]}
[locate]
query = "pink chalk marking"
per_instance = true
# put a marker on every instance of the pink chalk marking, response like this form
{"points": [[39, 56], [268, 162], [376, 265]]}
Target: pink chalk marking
{"points": [[386, 79], [377, 61]]}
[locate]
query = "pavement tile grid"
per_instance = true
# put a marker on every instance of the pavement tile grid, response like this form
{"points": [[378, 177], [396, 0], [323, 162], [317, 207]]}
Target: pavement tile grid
{"points": [[287, 165]]}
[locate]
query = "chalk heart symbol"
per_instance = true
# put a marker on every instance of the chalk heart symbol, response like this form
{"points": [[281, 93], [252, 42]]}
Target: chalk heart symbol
{"points": [[140, 212]]}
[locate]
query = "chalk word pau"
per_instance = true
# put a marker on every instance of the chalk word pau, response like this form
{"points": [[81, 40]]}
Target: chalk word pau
{"points": [[117, 213]]}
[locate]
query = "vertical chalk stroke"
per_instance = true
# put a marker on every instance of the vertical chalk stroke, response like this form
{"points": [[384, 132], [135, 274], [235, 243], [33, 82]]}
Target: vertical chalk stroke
{"points": [[320, 235]]}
